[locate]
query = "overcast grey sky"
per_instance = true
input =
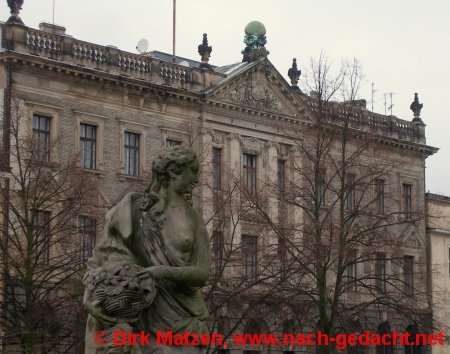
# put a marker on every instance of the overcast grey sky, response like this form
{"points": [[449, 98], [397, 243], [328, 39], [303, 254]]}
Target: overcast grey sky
{"points": [[403, 46]]}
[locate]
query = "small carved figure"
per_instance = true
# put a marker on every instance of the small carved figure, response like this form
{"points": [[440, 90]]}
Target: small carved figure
{"points": [[154, 255]]}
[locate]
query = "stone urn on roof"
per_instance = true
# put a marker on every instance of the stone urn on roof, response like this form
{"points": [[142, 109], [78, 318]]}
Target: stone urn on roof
{"points": [[15, 6]]}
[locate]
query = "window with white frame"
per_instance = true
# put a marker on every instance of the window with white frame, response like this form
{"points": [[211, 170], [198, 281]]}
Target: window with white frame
{"points": [[41, 138], [87, 230], [380, 271], [41, 236], [321, 186], [217, 168], [249, 173], [350, 191], [379, 196], [131, 153], [249, 251], [407, 199], [352, 270], [88, 145], [408, 274], [170, 143]]}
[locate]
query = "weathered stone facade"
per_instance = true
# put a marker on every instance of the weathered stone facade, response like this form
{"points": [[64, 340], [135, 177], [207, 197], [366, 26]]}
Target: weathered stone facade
{"points": [[245, 110]]}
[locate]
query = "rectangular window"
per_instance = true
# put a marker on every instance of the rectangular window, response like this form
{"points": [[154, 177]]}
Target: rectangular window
{"points": [[88, 141], [249, 166], [380, 271], [407, 200], [281, 176], [249, 251], [217, 168], [408, 274], [172, 143], [131, 153], [352, 271], [379, 196], [321, 187], [349, 192], [282, 253], [41, 236], [41, 138], [218, 247], [87, 229]]}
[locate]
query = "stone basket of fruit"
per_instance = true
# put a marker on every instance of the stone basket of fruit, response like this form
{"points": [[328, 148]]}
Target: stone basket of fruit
{"points": [[118, 290]]}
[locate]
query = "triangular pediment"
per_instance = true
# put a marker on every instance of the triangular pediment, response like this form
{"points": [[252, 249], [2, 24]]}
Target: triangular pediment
{"points": [[259, 87]]}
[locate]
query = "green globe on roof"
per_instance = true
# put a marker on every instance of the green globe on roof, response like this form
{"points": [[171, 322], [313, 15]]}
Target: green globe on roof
{"points": [[255, 27]]}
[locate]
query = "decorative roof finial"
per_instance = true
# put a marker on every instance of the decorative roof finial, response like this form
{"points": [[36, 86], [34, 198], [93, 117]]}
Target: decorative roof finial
{"points": [[15, 7], [416, 107], [294, 75], [205, 51], [255, 39]]}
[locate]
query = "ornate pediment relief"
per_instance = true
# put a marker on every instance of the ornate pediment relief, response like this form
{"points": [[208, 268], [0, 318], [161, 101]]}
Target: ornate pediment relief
{"points": [[254, 90]]}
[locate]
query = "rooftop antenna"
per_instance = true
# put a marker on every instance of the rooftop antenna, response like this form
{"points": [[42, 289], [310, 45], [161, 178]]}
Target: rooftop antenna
{"points": [[373, 94], [391, 105], [385, 110], [174, 20]]}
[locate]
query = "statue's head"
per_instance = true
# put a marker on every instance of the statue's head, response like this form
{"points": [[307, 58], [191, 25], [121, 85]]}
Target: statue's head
{"points": [[173, 163]]}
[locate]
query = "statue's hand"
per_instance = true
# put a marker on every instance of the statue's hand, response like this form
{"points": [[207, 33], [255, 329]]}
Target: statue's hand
{"points": [[155, 272], [95, 310]]}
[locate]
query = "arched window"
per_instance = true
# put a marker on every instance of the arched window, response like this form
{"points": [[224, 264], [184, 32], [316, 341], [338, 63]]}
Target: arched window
{"points": [[384, 328], [253, 326], [412, 348], [355, 328]]}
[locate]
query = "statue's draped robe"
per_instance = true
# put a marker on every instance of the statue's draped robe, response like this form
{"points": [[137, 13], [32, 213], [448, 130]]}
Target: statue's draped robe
{"points": [[177, 307]]}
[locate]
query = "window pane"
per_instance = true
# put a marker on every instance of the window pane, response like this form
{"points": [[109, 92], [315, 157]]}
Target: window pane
{"points": [[281, 176], [249, 172], [380, 271], [41, 138], [350, 192], [131, 152], [172, 143], [41, 236], [408, 268], [87, 229], [217, 168], [88, 146], [379, 196], [249, 251], [407, 199]]}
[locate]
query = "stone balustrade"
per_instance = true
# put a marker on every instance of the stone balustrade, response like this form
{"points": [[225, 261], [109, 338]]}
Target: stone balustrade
{"points": [[110, 59]]}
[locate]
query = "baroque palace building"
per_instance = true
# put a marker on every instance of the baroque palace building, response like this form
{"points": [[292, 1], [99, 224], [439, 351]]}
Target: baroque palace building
{"points": [[315, 208]]}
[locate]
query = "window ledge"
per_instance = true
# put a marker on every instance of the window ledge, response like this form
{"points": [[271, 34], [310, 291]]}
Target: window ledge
{"points": [[98, 173], [124, 177]]}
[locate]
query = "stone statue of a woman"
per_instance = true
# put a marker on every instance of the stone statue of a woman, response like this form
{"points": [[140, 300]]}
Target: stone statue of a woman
{"points": [[146, 270]]}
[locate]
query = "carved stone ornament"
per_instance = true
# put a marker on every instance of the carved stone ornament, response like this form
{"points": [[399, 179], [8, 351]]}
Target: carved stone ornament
{"points": [[294, 74], [205, 52], [15, 7], [255, 93], [416, 107]]}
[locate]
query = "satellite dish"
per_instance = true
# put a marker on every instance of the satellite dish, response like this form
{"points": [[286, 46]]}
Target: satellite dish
{"points": [[142, 46], [184, 63]]}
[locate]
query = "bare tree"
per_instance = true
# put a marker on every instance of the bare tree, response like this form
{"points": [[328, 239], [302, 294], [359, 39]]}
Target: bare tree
{"points": [[351, 259], [43, 244]]}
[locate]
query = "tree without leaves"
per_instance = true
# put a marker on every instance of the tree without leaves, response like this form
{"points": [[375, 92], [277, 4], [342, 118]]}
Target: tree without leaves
{"points": [[41, 244], [352, 259]]}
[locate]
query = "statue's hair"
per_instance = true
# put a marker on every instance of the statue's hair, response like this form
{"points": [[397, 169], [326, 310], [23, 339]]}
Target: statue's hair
{"points": [[169, 164]]}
